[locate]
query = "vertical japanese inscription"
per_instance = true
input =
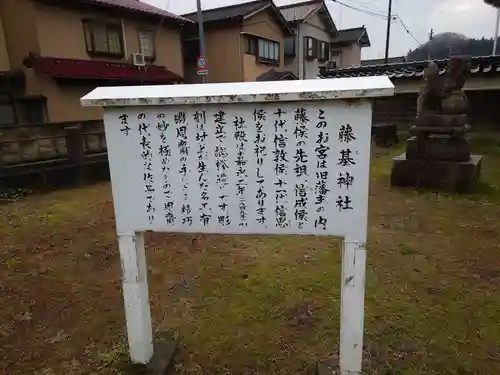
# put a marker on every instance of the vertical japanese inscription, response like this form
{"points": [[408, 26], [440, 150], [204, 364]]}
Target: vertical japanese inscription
{"points": [[221, 155], [321, 188], [165, 153], [345, 179], [280, 168], [260, 152], [183, 146], [200, 118], [240, 136], [301, 120], [147, 156]]}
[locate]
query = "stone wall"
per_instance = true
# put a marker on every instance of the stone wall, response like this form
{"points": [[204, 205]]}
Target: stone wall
{"points": [[43, 142]]}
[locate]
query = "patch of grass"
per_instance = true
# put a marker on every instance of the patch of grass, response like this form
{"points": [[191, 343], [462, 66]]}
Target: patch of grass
{"points": [[257, 305]]}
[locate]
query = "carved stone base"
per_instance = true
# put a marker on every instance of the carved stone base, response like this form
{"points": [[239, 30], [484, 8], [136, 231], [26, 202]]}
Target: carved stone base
{"points": [[425, 131], [461, 177], [439, 120], [438, 148]]}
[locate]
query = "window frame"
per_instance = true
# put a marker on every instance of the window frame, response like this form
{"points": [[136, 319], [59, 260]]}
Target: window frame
{"points": [[310, 48], [250, 44], [89, 35], [148, 58], [293, 43], [268, 45], [7, 100], [334, 52], [40, 103], [323, 51]]}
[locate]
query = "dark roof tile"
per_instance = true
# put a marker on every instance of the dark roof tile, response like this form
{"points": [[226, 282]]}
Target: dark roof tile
{"points": [[229, 12], [357, 34], [135, 6], [239, 11], [390, 60], [300, 11], [274, 75], [479, 65]]}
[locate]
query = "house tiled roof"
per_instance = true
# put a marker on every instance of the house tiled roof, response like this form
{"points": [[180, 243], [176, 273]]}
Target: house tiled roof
{"points": [[274, 75], [229, 12], [300, 11], [239, 11], [486, 65], [390, 60], [135, 6], [356, 34], [100, 70]]}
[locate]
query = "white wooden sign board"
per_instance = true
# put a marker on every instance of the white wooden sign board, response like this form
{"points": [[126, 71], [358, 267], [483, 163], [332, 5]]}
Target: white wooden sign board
{"points": [[287, 157]]}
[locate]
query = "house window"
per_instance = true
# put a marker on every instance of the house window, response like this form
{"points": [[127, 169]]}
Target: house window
{"points": [[269, 51], [250, 44], [147, 44], [33, 110], [323, 51], [331, 65], [310, 48], [103, 38], [290, 46], [7, 110], [334, 52]]}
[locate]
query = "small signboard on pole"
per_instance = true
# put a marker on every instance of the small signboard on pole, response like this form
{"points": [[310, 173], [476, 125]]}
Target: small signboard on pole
{"points": [[202, 65]]}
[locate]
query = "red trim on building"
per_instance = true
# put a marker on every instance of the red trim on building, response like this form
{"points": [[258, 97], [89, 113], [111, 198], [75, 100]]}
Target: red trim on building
{"points": [[100, 70]]}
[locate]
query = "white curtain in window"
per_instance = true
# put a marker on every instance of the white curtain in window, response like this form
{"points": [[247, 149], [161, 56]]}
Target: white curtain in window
{"points": [[114, 38], [261, 48], [146, 43], [99, 34]]}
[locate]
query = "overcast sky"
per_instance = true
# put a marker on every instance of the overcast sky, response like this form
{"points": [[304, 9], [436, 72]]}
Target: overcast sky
{"points": [[472, 18]]}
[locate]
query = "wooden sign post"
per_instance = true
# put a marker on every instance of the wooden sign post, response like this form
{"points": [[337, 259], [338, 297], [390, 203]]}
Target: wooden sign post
{"points": [[287, 157]]}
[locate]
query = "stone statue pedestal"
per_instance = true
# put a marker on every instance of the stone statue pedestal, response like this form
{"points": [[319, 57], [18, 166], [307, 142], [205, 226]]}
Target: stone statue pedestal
{"points": [[438, 156], [441, 148], [438, 162], [452, 176]]}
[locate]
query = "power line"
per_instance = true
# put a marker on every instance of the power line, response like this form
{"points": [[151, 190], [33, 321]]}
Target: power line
{"points": [[374, 14], [407, 29], [414, 20], [363, 4], [389, 18]]}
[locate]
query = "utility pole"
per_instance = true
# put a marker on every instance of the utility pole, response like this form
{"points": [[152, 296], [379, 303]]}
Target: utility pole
{"points": [[389, 19], [496, 33], [201, 34], [429, 47]]}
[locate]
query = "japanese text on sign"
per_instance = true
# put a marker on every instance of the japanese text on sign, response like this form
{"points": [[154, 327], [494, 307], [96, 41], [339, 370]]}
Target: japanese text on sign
{"points": [[263, 168]]}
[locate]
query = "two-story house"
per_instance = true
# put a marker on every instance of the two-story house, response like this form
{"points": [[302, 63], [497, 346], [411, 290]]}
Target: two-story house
{"points": [[244, 42], [63, 49], [317, 42]]}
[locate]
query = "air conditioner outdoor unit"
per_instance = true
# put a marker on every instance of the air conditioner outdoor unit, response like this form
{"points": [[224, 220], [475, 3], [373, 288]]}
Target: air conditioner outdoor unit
{"points": [[138, 59]]}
